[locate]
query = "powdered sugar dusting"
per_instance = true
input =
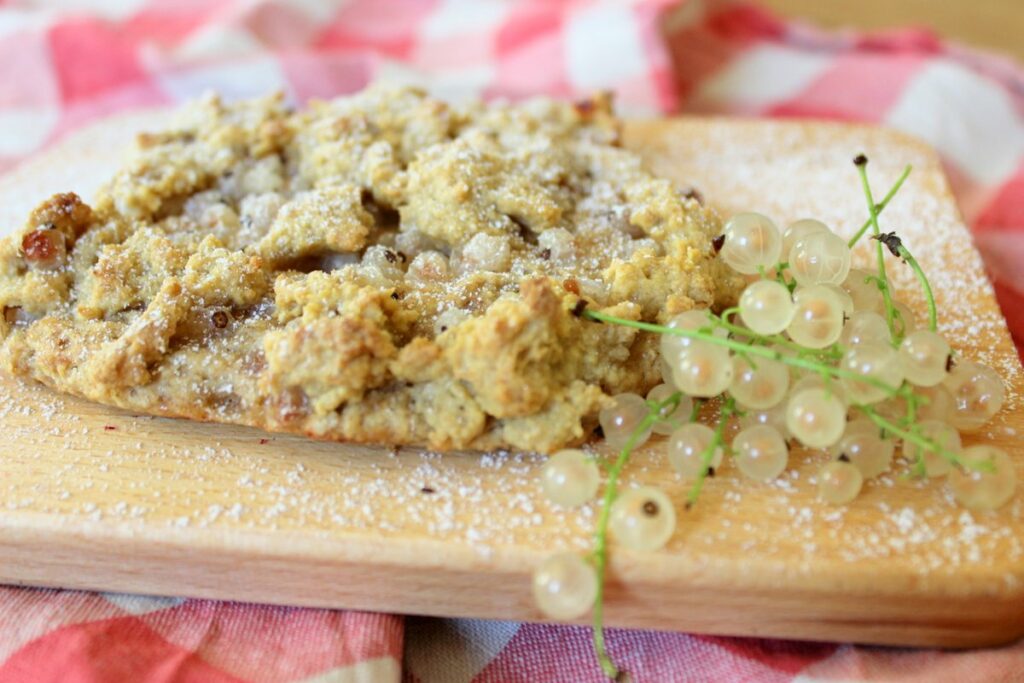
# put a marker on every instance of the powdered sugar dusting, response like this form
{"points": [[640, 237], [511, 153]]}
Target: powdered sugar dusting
{"points": [[79, 464]]}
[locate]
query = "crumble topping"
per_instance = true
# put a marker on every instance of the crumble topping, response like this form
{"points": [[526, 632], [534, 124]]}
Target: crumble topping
{"points": [[383, 268]]}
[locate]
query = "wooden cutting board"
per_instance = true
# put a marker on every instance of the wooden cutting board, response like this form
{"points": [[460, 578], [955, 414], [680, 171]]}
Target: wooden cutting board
{"points": [[102, 499]]}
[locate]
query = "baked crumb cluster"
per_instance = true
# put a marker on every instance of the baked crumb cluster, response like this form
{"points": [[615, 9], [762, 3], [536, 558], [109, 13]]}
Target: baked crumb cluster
{"points": [[380, 268]]}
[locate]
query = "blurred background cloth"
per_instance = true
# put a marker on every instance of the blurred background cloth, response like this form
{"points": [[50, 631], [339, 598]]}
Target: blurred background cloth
{"points": [[63, 64]]}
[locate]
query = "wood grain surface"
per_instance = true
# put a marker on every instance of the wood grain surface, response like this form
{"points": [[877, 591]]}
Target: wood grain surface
{"points": [[98, 498]]}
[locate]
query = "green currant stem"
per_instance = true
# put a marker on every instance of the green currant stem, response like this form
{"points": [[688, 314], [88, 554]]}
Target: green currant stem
{"points": [[601, 536], [728, 408], [697, 403], [880, 206], [833, 351], [824, 370], [883, 284], [762, 351], [918, 440], [929, 297]]}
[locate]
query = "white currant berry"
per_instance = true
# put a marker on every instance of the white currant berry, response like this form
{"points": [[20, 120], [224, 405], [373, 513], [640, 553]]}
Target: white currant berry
{"points": [[816, 417], [752, 242], [942, 435], [978, 394], [979, 489], [758, 383], [703, 370], [621, 419], [845, 298], [865, 326], [570, 478], [818, 318], [936, 403], [760, 452], [564, 586], [924, 355], [863, 290], [774, 417], [694, 320], [819, 258], [799, 229], [642, 519], [686, 448], [766, 306], [815, 381], [867, 451], [669, 419], [839, 482], [875, 362]]}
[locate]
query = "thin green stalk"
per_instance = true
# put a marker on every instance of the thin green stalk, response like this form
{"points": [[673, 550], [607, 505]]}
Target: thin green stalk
{"points": [[833, 351], [881, 206], [908, 258], [883, 285], [697, 403], [709, 453], [762, 351], [601, 535], [918, 440], [794, 361]]}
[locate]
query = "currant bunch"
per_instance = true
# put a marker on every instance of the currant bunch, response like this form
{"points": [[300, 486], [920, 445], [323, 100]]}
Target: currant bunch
{"points": [[817, 353]]}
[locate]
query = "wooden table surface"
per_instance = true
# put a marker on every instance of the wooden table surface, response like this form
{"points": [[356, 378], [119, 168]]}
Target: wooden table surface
{"points": [[989, 24]]}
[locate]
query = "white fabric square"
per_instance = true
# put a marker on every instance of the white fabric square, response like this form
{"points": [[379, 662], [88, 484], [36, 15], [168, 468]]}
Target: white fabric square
{"points": [[603, 47], [970, 119], [460, 17], [761, 77], [232, 80]]}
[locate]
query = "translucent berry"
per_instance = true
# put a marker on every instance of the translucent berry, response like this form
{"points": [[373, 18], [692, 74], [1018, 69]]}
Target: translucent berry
{"points": [[670, 419], [564, 586], [752, 242], [865, 326], [984, 490], [839, 482], [816, 417], [570, 478], [772, 417], [703, 369], [867, 451], [845, 298], [925, 355], [818, 318], [799, 229], [694, 320], [758, 383], [766, 307], [936, 404], [942, 435], [978, 394], [761, 452], [875, 362], [815, 381], [666, 373], [619, 420], [863, 290], [819, 258], [686, 447], [642, 519]]}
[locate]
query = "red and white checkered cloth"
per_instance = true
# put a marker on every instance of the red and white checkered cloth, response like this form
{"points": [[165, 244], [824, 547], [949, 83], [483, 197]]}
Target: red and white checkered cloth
{"points": [[62, 66]]}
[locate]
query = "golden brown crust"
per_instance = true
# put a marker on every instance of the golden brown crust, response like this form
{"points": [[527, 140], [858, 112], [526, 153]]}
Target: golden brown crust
{"points": [[380, 268]]}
